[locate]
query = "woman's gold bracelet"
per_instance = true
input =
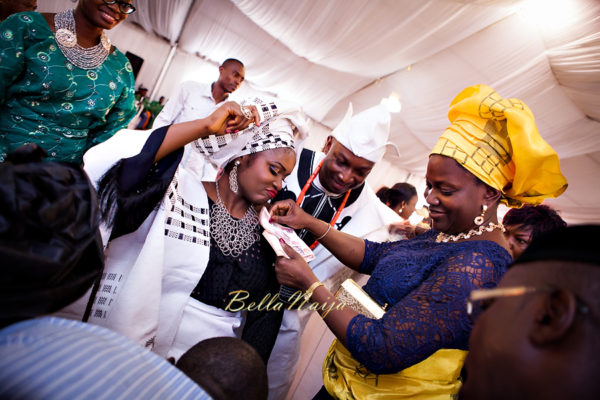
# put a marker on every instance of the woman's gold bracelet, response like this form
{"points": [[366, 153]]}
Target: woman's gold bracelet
{"points": [[311, 289], [325, 234]]}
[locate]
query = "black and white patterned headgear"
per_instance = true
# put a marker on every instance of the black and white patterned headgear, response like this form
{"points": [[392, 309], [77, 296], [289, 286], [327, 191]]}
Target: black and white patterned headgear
{"points": [[278, 129]]}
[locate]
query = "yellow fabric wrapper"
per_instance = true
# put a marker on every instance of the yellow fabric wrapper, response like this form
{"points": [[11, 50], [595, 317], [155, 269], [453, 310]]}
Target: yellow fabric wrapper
{"points": [[435, 378], [497, 140]]}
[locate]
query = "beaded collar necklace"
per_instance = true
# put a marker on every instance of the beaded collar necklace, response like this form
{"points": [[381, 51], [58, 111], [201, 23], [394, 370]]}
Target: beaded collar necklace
{"points": [[233, 236], [445, 238], [66, 37], [305, 189]]}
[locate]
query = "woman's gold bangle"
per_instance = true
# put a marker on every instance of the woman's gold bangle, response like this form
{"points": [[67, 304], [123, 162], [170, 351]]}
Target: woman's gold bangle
{"points": [[325, 234], [311, 289]]}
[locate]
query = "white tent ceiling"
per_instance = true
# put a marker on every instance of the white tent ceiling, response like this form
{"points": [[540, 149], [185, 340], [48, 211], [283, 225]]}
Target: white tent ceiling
{"points": [[323, 54]]}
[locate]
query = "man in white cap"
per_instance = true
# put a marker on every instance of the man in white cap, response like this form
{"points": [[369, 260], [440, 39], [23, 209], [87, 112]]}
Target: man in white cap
{"points": [[330, 185]]}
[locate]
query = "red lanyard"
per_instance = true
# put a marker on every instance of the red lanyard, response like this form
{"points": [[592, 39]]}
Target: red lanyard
{"points": [[305, 188]]}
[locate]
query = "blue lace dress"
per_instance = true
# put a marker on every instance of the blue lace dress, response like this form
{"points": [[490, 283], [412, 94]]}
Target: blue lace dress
{"points": [[426, 285]]}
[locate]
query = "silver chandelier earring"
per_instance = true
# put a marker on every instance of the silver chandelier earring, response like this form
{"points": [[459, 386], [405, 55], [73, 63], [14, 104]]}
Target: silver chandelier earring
{"points": [[233, 178], [479, 219]]}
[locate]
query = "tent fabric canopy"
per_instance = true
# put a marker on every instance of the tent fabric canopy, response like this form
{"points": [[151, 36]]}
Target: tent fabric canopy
{"points": [[324, 54]]}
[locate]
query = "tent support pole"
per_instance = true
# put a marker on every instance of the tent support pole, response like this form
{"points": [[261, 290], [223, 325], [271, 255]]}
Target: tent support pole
{"points": [[163, 71]]}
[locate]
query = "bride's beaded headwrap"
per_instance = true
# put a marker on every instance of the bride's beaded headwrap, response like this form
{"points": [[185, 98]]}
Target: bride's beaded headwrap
{"points": [[279, 127], [277, 130]]}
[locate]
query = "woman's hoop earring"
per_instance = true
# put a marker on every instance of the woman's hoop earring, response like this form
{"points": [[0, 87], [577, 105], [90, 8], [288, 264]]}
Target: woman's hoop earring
{"points": [[233, 179], [479, 219]]}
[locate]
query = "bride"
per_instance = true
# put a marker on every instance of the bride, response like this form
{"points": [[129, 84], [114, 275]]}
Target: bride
{"points": [[181, 242]]}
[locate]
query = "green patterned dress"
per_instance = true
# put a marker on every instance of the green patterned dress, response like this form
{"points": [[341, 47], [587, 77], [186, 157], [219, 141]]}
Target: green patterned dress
{"points": [[45, 99]]}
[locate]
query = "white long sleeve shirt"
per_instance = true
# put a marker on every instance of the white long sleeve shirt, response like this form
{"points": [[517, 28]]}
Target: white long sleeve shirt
{"points": [[193, 100]]}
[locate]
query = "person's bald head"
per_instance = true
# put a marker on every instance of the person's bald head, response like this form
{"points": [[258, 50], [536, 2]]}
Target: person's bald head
{"points": [[227, 368]]}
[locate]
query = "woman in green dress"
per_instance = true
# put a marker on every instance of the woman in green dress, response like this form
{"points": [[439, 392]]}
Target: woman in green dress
{"points": [[62, 84]]}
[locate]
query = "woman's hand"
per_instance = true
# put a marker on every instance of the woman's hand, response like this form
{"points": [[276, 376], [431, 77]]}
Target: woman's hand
{"points": [[403, 229], [407, 230], [227, 118], [230, 117], [294, 271], [287, 212]]}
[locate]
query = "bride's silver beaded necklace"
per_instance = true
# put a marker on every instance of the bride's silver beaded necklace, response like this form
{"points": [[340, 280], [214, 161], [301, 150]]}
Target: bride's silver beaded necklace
{"points": [[232, 236]]}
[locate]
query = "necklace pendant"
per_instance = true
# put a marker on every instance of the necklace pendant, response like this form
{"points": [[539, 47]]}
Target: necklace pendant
{"points": [[105, 41], [65, 38]]}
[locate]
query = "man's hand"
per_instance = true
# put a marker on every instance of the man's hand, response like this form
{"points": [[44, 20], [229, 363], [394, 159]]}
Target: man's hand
{"points": [[294, 271], [287, 212]]}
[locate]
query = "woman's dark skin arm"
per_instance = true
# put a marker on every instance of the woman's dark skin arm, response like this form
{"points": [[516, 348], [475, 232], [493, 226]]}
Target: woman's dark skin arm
{"points": [[225, 119], [350, 250], [295, 272]]}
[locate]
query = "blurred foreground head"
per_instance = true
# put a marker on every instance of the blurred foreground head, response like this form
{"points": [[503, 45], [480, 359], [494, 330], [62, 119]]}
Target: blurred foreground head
{"points": [[539, 335], [227, 368], [50, 246]]}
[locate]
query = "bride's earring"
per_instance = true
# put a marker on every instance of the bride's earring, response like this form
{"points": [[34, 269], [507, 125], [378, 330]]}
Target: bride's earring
{"points": [[233, 178]]}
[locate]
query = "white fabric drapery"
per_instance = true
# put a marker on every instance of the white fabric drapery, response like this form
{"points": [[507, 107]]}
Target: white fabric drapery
{"points": [[323, 54]]}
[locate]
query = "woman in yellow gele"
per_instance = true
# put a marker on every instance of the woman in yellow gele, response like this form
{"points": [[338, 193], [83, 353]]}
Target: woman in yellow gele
{"points": [[491, 153]]}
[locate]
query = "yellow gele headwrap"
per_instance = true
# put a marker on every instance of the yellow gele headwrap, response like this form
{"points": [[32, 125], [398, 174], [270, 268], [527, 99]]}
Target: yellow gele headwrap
{"points": [[497, 140]]}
